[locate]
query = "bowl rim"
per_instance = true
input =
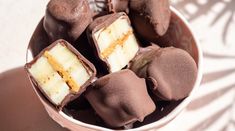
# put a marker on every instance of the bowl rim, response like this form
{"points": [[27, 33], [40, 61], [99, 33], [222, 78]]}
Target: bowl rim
{"points": [[163, 120]]}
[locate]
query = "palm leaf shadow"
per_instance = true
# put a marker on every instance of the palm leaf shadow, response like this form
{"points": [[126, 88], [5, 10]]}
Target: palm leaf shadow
{"points": [[205, 8], [209, 77], [216, 75], [205, 124], [231, 122], [217, 56], [229, 7], [209, 98]]}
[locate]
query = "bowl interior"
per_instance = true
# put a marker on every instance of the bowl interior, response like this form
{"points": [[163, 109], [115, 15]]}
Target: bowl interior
{"points": [[178, 35]]}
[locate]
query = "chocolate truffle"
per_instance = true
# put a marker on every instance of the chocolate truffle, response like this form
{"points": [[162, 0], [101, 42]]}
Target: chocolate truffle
{"points": [[113, 40], [150, 18], [66, 19], [171, 72], [120, 98], [60, 72]]}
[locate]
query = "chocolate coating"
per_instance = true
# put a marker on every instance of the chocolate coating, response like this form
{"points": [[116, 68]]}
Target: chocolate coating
{"points": [[140, 63], [171, 72], [66, 19], [71, 96], [96, 25], [153, 15], [93, 27], [120, 98]]}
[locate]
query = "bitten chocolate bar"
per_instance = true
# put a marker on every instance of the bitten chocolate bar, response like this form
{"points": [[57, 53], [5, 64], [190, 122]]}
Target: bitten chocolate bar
{"points": [[113, 40], [61, 72]]}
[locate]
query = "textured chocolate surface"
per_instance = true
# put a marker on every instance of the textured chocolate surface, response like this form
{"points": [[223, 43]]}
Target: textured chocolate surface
{"points": [[67, 19], [120, 98], [153, 15], [171, 72], [86, 64]]}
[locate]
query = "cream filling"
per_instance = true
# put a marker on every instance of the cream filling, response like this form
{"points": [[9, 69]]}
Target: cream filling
{"points": [[117, 43], [59, 72], [49, 80], [63, 73]]}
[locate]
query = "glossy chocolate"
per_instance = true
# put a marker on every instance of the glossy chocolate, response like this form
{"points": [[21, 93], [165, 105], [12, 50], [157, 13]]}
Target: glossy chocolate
{"points": [[120, 98], [66, 19]]}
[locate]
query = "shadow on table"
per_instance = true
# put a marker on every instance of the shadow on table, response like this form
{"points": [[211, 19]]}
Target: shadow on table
{"points": [[210, 121], [217, 56], [20, 107], [228, 11], [205, 8], [203, 101]]}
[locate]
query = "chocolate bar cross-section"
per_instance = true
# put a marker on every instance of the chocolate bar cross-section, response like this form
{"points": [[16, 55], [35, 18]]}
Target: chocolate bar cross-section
{"points": [[113, 39], [61, 72]]}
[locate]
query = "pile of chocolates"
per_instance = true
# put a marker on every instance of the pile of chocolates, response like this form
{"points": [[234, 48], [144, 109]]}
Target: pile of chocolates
{"points": [[97, 63]]}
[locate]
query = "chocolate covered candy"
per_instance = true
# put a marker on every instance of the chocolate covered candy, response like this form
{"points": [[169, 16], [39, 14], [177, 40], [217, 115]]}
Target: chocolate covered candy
{"points": [[171, 72], [61, 72], [66, 19], [113, 40], [150, 18], [120, 98]]}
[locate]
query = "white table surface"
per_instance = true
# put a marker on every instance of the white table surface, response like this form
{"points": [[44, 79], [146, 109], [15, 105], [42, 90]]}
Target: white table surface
{"points": [[213, 22]]}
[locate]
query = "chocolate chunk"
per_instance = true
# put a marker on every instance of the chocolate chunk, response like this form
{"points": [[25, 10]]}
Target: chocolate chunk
{"points": [[100, 7], [60, 72], [104, 7], [120, 98], [171, 72], [67, 19], [140, 63], [150, 18], [113, 40], [120, 5]]}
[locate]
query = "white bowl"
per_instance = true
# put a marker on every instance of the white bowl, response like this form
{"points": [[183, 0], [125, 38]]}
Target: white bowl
{"points": [[179, 35]]}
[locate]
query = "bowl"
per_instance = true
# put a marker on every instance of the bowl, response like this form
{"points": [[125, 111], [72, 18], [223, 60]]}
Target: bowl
{"points": [[179, 35]]}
